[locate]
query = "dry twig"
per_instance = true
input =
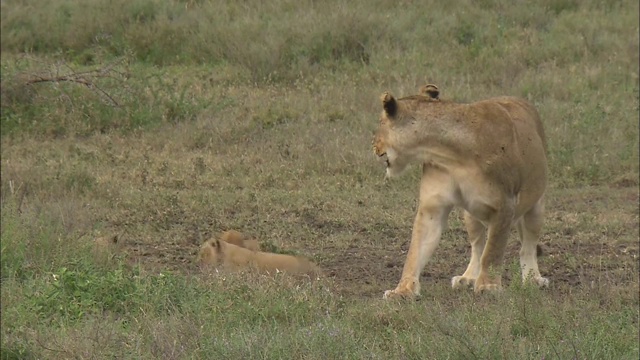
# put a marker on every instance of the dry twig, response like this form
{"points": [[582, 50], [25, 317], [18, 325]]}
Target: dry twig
{"points": [[85, 78]]}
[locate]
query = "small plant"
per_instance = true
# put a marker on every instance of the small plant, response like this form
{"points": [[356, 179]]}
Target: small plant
{"points": [[81, 290], [268, 246]]}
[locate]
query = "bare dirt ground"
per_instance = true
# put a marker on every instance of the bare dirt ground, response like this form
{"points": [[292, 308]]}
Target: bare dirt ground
{"points": [[590, 237]]}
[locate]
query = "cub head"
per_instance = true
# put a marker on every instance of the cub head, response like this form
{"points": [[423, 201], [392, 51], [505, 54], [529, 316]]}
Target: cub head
{"points": [[107, 248], [386, 141], [210, 253], [106, 241]]}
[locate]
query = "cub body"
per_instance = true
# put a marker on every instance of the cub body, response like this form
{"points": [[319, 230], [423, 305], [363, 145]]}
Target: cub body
{"points": [[237, 238], [235, 258]]}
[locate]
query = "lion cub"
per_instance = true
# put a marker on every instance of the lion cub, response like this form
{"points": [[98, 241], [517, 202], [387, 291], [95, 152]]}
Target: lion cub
{"points": [[104, 248], [239, 239], [225, 254]]}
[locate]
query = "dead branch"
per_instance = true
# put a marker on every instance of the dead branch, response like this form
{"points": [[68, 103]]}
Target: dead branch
{"points": [[41, 343], [87, 79]]}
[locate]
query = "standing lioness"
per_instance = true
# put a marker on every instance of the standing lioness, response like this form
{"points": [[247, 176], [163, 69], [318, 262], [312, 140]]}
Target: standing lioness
{"points": [[487, 157]]}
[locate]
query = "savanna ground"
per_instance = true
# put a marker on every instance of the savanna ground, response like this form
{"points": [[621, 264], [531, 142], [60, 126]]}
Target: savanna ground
{"points": [[168, 122]]}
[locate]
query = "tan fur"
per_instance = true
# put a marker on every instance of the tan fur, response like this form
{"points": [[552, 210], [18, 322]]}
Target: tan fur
{"points": [[430, 90], [105, 247], [237, 238], [231, 257], [487, 157]]}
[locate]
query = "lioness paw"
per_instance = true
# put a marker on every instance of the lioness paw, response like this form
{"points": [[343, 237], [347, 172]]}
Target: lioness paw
{"points": [[408, 288], [458, 282], [487, 287], [398, 294], [541, 281], [536, 280], [388, 294]]}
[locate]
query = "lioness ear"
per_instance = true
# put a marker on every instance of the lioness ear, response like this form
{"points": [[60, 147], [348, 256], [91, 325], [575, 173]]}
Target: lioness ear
{"points": [[389, 104], [430, 90]]}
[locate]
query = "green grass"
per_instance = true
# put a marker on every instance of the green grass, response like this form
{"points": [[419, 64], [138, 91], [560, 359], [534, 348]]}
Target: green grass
{"points": [[257, 116], [83, 310]]}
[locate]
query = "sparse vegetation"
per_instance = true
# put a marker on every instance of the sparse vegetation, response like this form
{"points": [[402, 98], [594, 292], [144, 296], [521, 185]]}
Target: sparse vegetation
{"points": [[170, 121]]}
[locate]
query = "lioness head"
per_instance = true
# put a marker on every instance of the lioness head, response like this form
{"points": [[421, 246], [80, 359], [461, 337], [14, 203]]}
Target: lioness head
{"points": [[381, 141], [397, 140], [393, 140]]}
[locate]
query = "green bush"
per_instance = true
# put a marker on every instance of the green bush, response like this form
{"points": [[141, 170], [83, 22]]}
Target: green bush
{"points": [[82, 290]]}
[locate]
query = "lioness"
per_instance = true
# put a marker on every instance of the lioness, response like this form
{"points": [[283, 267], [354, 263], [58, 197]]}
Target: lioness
{"points": [[237, 238], [488, 157], [229, 256]]}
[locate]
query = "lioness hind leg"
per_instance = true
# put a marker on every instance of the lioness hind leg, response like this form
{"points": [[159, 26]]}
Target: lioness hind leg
{"points": [[476, 231], [490, 275], [529, 227]]}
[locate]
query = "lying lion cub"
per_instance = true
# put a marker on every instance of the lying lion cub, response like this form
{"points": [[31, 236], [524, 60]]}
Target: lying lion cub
{"points": [[105, 248], [239, 239], [235, 258]]}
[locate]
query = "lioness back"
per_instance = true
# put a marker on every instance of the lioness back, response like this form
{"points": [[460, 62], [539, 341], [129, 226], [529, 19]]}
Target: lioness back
{"points": [[518, 160], [522, 111]]}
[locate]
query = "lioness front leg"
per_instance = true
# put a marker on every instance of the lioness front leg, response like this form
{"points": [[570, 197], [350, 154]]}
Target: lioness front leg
{"points": [[490, 276], [477, 236], [427, 230]]}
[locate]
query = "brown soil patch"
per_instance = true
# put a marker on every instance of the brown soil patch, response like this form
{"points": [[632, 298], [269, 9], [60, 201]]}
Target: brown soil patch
{"points": [[590, 237]]}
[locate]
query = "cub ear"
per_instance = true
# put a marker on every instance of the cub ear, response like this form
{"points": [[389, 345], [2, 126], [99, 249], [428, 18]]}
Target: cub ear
{"points": [[114, 238], [430, 90], [389, 104]]}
